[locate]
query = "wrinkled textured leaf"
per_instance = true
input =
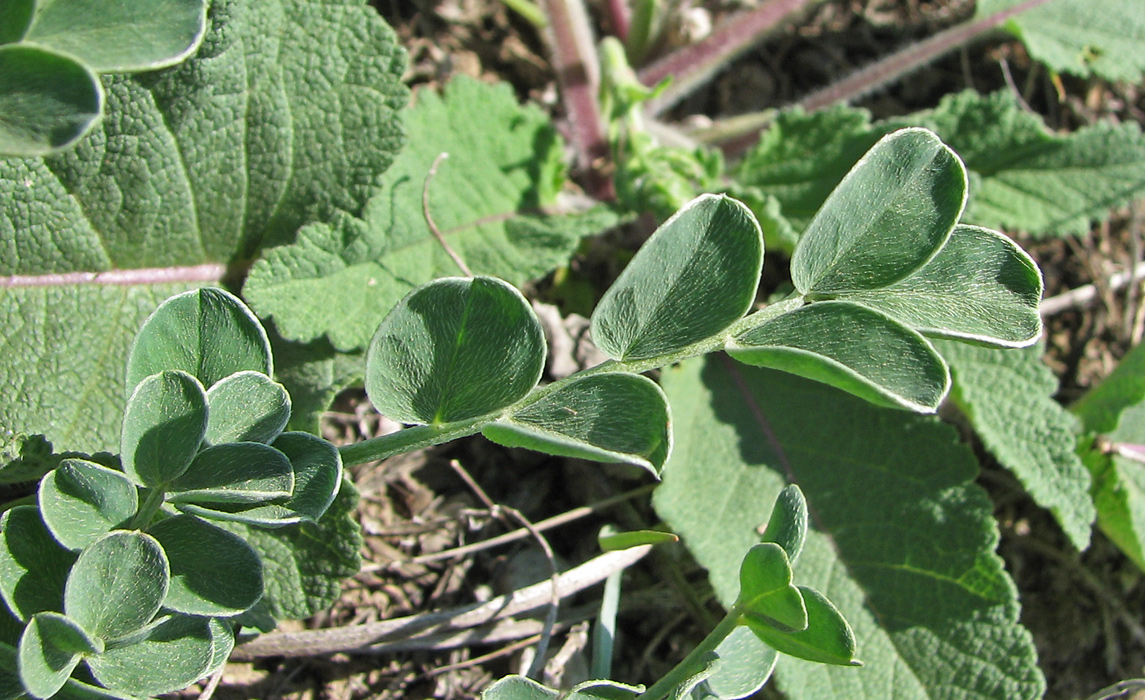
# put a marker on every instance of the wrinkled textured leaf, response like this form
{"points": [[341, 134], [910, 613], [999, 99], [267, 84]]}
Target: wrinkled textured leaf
{"points": [[1022, 176], [609, 417], [1083, 37], [692, 279], [33, 566], [263, 130], [489, 200], [980, 287], [118, 36], [902, 540], [236, 472], [1116, 409], [313, 374], [163, 426], [304, 564], [207, 333], [213, 572], [455, 349], [174, 654], [48, 101], [50, 648], [890, 215], [117, 584], [853, 348], [246, 407], [1008, 398], [81, 501]]}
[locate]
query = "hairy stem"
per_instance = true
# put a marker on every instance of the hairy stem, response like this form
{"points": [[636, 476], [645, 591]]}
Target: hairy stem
{"points": [[210, 272], [910, 59], [693, 65], [578, 76], [148, 510], [406, 440], [693, 663]]}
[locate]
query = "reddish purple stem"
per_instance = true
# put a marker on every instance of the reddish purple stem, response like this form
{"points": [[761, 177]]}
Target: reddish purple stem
{"points": [[210, 272], [692, 65]]}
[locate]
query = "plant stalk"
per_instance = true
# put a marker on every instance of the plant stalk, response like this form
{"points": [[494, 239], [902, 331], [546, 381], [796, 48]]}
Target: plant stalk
{"points": [[694, 65], [406, 440], [910, 59], [148, 510], [578, 76], [693, 663]]}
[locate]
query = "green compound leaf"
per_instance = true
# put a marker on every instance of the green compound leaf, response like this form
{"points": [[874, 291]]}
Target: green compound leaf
{"points": [[81, 501], [431, 360], [1116, 409], [304, 564], [50, 649], [609, 417], [117, 584], [833, 342], [1082, 37], [213, 572], [743, 666], [207, 333], [317, 470], [33, 566], [235, 472], [263, 130], [48, 102], [902, 541], [1008, 397], [246, 407], [491, 199], [692, 279], [172, 655], [980, 287], [827, 639], [890, 215], [1022, 175], [163, 426], [787, 524], [15, 16], [766, 596], [120, 36]]}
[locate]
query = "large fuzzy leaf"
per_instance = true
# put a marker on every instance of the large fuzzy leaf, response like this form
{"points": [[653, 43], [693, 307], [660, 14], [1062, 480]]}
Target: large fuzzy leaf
{"points": [[489, 200], [1115, 409], [902, 541], [1083, 37], [1008, 398], [304, 564], [263, 130]]}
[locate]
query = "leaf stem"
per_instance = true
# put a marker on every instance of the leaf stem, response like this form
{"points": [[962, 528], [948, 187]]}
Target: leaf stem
{"points": [[693, 663], [406, 440], [148, 510]]}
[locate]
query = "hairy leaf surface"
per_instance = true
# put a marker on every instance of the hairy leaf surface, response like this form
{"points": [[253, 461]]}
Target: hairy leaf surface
{"points": [[902, 541], [488, 199], [1082, 37], [81, 501], [1116, 410], [1008, 398], [1021, 175], [263, 130]]}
